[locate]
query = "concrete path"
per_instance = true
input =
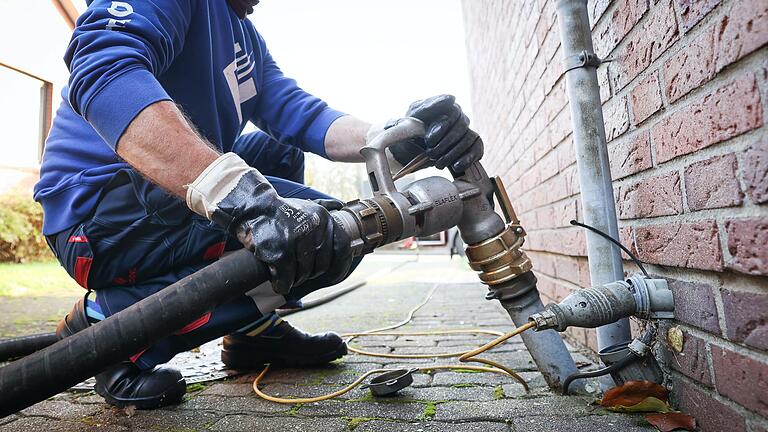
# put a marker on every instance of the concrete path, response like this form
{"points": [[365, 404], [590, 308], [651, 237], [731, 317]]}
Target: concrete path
{"points": [[437, 402]]}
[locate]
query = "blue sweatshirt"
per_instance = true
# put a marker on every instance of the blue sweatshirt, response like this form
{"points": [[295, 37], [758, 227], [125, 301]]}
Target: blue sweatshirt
{"points": [[126, 55]]}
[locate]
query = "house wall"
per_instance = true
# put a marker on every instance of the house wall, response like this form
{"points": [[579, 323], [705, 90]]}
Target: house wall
{"points": [[684, 105]]}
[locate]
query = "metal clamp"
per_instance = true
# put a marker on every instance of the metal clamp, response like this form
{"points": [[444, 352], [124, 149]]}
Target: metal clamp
{"points": [[583, 59]]}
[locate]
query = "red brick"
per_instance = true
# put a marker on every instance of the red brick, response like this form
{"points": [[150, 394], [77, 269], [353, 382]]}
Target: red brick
{"points": [[543, 263], [566, 154], [695, 304], [627, 239], [604, 83], [693, 11], [742, 32], [693, 245], [748, 245], [596, 8], [734, 36], [567, 268], [755, 171], [712, 183], [616, 118], [645, 99], [746, 317], [741, 379], [646, 44], [630, 156], [691, 66], [623, 20], [711, 414], [727, 112], [692, 361], [652, 197]]}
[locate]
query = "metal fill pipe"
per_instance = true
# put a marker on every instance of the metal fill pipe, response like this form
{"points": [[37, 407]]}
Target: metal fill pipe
{"points": [[605, 264]]}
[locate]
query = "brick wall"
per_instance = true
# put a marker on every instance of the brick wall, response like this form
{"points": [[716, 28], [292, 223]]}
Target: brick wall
{"points": [[685, 103]]}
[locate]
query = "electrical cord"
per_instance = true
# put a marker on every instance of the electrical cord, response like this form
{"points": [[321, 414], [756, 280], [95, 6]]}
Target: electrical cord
{"points": [[464, 356], [612, 240]]}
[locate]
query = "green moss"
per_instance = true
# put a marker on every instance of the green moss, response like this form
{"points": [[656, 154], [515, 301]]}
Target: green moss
{"points": [[191, 388], [430, 409], [367, 398], [459, 370], [294, 409], [354, 422], [463, 385], [498, 393]]}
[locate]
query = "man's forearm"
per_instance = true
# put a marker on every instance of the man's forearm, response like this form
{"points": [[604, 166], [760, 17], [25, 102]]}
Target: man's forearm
{"points": [[161, 144], [344, 139]]}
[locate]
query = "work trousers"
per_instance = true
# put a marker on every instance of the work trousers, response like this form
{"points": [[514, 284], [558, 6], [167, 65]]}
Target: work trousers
{"points": [[140, 240]]}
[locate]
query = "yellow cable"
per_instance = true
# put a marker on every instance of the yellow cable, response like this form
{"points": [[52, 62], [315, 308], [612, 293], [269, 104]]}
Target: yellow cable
{"points": [[464, 356]]}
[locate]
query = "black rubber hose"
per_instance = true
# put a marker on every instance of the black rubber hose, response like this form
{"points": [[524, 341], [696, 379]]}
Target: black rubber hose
{"points": [[82, 355], [627, 359], [21, 346]]}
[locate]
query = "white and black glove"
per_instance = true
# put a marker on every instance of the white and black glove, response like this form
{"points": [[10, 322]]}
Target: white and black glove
{"points": [[297, 239], [448, 141]]}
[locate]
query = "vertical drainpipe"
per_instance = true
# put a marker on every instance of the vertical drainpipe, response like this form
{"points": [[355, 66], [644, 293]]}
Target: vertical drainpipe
{"points": [[597, 200]]}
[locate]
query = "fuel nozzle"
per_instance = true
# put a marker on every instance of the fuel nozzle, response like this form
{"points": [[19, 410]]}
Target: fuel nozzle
{"points": [[592, 307]]}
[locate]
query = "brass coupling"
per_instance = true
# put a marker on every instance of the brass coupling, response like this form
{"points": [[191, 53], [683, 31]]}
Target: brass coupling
{"points": [[500, 258]]}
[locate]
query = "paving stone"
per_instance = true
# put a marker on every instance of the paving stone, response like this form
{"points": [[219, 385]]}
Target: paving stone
{"points": [[230, 404], [61, 409], [392, 409], [462, 393], [594, 423], [504, 409], [447, 378], [248, 423], [28, 424], [165, 420], [385, 426], [228, 389]]}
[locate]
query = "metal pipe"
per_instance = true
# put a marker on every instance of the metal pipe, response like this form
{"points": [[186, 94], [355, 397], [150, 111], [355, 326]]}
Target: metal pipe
{"points": [[605, 264], [508, 274], [521, 299]]}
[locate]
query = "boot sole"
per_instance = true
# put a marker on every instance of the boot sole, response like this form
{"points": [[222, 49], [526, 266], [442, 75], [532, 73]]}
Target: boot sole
{"points": [[249, 360], [172, 396]]}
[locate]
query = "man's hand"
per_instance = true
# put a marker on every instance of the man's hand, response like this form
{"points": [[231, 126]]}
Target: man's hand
{"points": [[297, 239], [448, 141]]}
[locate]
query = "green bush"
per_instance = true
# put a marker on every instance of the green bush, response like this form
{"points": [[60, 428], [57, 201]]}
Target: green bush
{"points": [[21, 238]]}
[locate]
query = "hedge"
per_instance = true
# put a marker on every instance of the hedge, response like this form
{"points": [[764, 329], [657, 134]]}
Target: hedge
{"points": [[21, 238]]}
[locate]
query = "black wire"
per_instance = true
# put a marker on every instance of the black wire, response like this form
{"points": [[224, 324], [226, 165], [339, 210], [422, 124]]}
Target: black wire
{"points": [[614, 241], [627, 359]]}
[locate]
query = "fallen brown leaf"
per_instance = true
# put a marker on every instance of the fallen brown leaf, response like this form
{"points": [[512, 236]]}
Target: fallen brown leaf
{"points": [[670, 421], [633, 392]]}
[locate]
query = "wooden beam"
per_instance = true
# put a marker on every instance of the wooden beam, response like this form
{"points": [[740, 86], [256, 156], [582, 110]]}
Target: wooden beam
{"points": [[68, 11]]}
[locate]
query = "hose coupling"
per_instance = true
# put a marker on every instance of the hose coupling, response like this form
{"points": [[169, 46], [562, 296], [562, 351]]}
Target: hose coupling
{"points": [[593, 307], [500, 258]]}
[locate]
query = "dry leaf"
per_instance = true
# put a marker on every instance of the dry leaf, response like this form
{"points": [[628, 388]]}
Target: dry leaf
{"points": [[637, 396], [670, 421]]}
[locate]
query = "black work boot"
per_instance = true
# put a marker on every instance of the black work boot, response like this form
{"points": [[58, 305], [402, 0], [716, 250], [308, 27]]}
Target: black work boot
{"points": [[125, 384], [282, 345]]}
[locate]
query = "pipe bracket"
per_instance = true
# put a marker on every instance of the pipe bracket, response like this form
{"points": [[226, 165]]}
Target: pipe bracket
{"points": [[582, 59]]}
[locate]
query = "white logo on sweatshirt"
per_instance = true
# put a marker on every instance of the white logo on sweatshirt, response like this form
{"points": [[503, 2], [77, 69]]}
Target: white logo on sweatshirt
{"points": [[239, 78], [119, 9]]}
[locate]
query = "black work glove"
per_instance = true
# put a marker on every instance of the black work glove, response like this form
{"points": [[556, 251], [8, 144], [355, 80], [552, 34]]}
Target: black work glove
{"points": [[448, 141], [297, 239]]}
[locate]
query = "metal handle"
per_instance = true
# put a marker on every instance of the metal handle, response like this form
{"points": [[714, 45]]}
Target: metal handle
{"points": [[375, 155]]}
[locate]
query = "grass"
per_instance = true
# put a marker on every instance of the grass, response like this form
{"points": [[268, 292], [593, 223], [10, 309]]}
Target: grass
{"points": [[38, 279]]}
